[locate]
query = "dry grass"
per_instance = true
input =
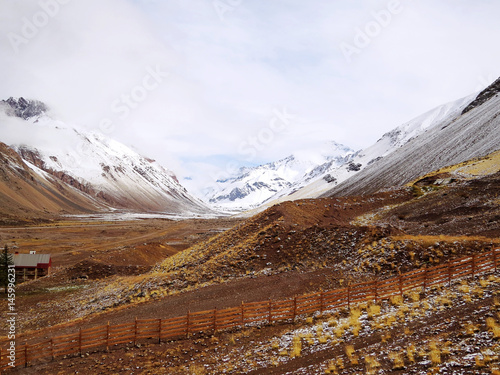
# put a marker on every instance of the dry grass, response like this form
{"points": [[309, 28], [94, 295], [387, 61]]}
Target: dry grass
{"points": [[493, 327], [372, 365], [196, 370], [482, 166], [373, 311], [350, 352], [434, 353], [398, 360], [332, 368], [296, 347]]}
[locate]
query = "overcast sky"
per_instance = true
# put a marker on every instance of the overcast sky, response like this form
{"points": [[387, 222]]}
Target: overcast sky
{"points": [[206, 85]]}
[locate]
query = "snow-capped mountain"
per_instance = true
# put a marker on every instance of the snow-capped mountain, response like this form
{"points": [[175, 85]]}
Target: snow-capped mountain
{"points": [[96, 165], [267, 184], [395, 139], [455, 138], [254, 186], [28, 196]]}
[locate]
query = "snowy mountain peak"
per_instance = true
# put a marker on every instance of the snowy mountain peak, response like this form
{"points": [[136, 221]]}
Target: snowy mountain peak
{"points": [[94, 164], [332, 173], [24, 108], [254, 186]]}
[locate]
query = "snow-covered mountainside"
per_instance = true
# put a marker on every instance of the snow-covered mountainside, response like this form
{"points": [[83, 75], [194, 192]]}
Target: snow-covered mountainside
{"points": [[324, 176], [395, 139], [452, 140], [94, 164], [254, 186], [27, 196]]}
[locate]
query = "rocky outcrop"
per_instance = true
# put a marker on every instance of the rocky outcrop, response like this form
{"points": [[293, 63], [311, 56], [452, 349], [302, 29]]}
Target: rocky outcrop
{"points": [[484, 96], [24, 108]]}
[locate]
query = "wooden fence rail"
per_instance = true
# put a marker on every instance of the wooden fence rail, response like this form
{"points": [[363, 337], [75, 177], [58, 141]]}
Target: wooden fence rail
{"points": [[253, 313]]}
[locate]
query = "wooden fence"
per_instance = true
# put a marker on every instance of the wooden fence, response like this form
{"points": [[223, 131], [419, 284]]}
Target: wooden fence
{"points": [[254, 313]]}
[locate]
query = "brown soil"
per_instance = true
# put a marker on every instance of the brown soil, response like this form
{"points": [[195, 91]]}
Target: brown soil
{"points": [[460, 208]]}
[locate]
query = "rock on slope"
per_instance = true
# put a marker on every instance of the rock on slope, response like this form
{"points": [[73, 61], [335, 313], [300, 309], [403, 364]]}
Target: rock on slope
{"points": [[484, 96], [452, 141], [96, 165]]}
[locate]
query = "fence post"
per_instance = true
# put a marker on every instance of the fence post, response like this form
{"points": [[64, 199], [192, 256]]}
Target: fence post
{"points": [[376, 291], [321, 298], [270, 308], [107, 337], [425, 279], [80, 341], [159, 331], [52, 348], [242, 314], [135, 332], [401, 285], [473, 265], [161, 328], [187, 324], [215, 320], [449, 275], [26, 354], [349, 296], [294, 308], [495, 259]]}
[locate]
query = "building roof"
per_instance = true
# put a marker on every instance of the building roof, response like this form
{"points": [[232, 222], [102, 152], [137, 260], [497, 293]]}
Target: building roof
{"points": [[32, 260]]}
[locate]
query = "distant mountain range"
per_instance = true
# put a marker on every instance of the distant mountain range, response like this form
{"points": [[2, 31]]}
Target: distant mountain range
{"points": [[254, 186]]}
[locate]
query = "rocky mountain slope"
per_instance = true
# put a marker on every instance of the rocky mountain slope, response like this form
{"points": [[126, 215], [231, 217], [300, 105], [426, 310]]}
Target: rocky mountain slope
{"points": [[386, 145], [29, 196], [453, 140], [460, 199], [267, 184], [484, 96], [102, 168]]}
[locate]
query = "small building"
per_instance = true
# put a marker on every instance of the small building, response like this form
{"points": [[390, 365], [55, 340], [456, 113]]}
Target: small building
{"points": [[31, 266]]}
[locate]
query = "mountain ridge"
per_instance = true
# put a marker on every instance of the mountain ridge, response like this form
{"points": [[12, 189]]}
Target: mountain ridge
{"points": [[328, 175], [29, 196], [109, 172], [457, 139], [254, 186]]}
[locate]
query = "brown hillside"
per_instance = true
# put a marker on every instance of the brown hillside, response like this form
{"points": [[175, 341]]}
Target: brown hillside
{"points": [[25, 196]]}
